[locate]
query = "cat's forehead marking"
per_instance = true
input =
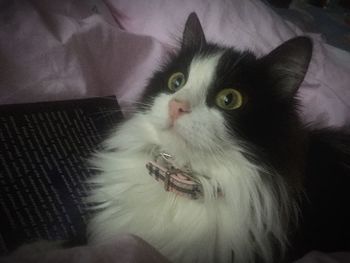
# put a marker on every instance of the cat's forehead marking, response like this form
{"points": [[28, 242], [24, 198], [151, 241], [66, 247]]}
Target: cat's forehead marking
{"points": [[201, 74]]}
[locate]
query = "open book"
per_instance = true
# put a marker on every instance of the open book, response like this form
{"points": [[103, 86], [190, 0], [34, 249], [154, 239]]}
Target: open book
{"points": [[44, 149]]}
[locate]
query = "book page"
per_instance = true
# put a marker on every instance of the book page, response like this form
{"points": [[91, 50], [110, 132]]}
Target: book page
{"points": [[44, 148]]}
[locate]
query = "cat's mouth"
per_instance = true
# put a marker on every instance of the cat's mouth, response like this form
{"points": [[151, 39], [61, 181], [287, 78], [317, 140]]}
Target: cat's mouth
{"points": [[180, 137], [174, 129], [185, 138]]}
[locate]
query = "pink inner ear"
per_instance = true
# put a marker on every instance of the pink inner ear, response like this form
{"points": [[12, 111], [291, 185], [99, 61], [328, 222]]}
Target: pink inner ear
{"points": [[178, 108]]}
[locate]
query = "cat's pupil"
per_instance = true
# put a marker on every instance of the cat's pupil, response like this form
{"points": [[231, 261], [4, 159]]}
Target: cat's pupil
{"points": [[228, 99], [177, 82]]}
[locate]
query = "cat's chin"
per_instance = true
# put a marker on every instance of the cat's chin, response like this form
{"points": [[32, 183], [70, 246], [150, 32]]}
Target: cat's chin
{"points": [[171, 134], [174, 135]]}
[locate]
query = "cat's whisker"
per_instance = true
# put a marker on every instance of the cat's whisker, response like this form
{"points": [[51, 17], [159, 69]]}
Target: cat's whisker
{"points": [[138, 103], [107, 111], [108, 98], [124, 110]]}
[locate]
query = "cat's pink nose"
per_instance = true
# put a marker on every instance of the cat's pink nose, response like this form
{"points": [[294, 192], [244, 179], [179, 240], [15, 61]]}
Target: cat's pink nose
{"points": [[177, 109]]}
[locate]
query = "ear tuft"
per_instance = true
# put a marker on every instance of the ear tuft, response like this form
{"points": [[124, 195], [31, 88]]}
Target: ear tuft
{"points": [[193, 35], [287, 65]]}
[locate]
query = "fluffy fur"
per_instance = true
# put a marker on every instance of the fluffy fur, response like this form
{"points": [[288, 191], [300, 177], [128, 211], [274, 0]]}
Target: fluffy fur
{"points": [[185, 230], [255, 155]]}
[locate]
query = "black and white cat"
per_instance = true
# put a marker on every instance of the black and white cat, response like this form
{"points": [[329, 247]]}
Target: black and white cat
{"points": [[212, 166]]}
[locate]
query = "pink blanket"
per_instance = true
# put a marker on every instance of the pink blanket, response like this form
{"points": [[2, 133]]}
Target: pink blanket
{"points": [[125, 249]]}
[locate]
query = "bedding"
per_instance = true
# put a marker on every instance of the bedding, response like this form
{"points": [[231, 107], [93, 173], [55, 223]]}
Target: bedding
{"points": [[125, 249], [55, 50], [129, 249]]}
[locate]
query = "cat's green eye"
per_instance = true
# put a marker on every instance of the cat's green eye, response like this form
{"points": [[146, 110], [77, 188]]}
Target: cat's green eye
{"points": [[176, 81], [229, 99]]}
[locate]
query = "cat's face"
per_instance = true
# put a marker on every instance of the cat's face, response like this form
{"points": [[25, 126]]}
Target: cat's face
{"points": [[209, 98]]}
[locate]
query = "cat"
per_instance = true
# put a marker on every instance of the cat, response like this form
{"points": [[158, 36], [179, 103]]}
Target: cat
{"points": [[212, 166]]}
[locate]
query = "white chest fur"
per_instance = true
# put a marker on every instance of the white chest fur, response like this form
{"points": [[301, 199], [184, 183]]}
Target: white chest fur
{"points": [[184, 230]]}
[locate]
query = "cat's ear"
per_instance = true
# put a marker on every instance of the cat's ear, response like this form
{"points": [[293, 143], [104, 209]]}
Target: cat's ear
{"points": [[193, 35], [286, 65]]}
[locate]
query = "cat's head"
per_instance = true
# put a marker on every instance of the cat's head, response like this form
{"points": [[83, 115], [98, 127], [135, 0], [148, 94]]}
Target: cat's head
{"points": [[209, 97]]}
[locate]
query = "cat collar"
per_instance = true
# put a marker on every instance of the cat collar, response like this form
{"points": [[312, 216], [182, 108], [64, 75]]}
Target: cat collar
{"points": [[175, 180]]}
